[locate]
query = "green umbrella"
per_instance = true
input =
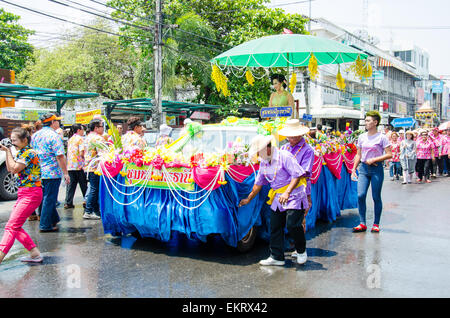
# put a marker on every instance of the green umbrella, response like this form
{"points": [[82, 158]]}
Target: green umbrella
{"points": [[288, 50]]}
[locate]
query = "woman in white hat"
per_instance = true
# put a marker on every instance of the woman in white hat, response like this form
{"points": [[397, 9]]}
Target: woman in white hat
{"points": [[164, 138], [287, 197], [408, 156]]}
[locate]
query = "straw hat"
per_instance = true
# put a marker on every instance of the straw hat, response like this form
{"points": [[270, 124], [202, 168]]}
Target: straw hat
{"points": [[409, 132], [293, 128], [259, 142]]}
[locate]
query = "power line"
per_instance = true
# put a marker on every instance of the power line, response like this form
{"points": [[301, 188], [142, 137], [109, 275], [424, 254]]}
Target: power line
{"points": [[99, 15], [71, 22]]}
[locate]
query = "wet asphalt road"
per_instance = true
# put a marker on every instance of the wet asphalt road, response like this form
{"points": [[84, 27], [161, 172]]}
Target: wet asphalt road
{"points": [[410, 257]]}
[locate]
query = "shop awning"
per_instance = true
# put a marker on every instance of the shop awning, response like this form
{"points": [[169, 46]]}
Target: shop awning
{"points": [[145, 106], [59, 96]]}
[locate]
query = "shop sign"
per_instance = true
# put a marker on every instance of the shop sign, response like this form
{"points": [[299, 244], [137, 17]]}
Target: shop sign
{"points": [[307, 117], [437, 87], [269, 112], [201, 115], [181, 177], [86, 117], [401, 107]]}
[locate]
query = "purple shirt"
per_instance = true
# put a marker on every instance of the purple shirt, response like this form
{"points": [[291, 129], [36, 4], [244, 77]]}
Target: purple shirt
{"points": [[372, 146], [279, 173], [304, 154]]}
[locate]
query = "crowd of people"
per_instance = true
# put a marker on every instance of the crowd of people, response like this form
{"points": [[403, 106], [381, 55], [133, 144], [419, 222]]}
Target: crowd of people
{"points": [[423, 153], [43, 161]]}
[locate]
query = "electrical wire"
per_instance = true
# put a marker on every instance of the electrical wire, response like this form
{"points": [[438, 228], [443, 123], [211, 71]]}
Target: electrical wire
{"points": [[162, 24], [75, 23], [101, 16]]}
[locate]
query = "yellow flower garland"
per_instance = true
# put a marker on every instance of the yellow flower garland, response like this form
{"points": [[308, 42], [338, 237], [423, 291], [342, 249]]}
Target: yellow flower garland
{"points": [[220, 80], [249, 77], [293, 82], [313, 67]]}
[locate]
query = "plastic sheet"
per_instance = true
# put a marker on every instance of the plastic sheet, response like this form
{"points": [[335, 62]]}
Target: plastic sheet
{"points": [[156, 213]]}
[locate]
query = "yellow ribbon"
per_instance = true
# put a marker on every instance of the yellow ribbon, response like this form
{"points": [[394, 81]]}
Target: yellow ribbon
{"points": [[273, 192]]}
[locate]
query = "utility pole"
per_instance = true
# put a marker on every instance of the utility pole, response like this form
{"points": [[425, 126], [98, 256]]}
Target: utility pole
{"points": [[309, 22], [157, 53]]}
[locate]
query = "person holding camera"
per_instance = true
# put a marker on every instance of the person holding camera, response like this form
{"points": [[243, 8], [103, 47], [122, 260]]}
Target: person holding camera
{"points": [[27, 166], [50, 149]]}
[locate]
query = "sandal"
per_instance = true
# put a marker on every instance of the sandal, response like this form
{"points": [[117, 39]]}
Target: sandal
{"points": [[375, 228], [360, 228], [29, 259]]}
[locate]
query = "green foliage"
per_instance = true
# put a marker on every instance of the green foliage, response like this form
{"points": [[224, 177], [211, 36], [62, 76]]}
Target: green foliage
{"points": [[114, 133], [88, 61], [206, 29], [15, 51]]}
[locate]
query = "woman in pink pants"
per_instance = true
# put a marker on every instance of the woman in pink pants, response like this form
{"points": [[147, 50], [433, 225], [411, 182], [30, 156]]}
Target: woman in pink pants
{"points": [[26, 166]]}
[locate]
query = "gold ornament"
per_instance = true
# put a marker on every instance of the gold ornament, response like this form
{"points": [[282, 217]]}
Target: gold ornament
{"points": [[340, 82], [313, 67], [249, 77], [293, 82]]}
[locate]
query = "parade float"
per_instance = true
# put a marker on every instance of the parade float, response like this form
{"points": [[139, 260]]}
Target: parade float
{"points": [[194, 185]]}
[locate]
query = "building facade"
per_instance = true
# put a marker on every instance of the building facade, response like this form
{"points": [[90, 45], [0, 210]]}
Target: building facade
{"points": [[392, 89]]}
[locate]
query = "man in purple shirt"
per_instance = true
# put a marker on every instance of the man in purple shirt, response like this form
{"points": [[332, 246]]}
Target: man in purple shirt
{"points": [[303, 153], [287, 196]]}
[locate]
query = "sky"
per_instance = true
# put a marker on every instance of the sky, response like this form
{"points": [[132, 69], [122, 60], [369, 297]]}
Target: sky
{"points": [[413, 22]]}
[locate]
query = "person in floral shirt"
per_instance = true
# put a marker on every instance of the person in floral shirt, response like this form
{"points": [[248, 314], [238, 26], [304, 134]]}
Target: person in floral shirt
{"points": [[133, 137], [27, 166], [425, 156], [395, 169], [75, 164], [50, 149], [92, 150]]}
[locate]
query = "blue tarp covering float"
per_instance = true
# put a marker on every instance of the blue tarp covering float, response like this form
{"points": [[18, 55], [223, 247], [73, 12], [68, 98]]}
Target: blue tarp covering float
{"points": [[155, 198]]}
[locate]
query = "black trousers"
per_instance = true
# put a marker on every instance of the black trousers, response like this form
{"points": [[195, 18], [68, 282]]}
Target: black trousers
{"points": [[438, 165], [424, 167], [76, 177], [292, 219]]}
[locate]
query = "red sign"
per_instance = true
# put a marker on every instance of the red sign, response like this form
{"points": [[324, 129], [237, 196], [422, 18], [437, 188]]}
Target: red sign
{"points": [[201, 115]]}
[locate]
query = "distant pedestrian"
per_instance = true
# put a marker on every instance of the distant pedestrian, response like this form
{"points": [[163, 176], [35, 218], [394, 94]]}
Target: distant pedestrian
{"points": [[50, 149], [446, 150], [373, 148], [29, 196], [92, 151], [408, 157], [438, 163], [120, 129], [395, 169], [425, 156], [133, 137], [75, 164]]}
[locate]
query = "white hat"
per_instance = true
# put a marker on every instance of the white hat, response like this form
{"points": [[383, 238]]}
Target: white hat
{"points": [[187, 121], [293, 128], [165, 130], [259, 142]]}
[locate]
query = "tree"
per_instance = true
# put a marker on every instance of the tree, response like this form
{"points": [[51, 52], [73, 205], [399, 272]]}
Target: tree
{"points": [[87, 60], [15, 51], [211, 26]]}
